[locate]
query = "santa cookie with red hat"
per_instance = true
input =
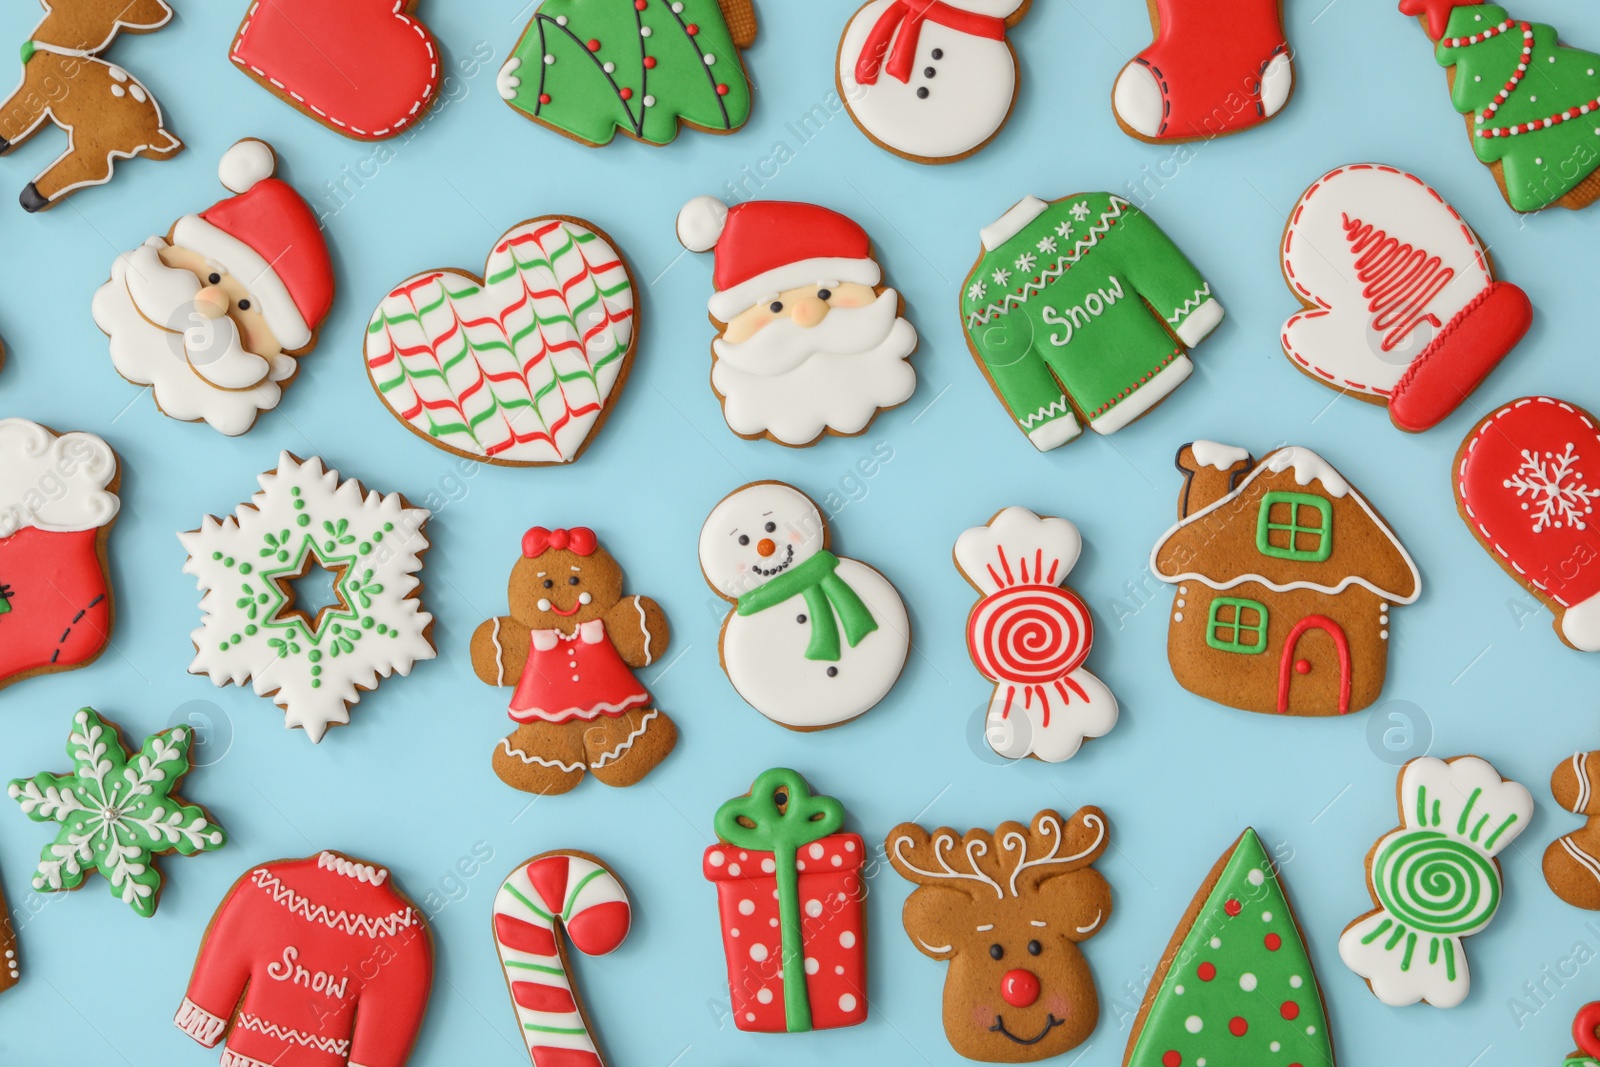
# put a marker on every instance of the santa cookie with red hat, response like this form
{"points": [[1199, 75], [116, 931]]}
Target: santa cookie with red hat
{"points": [[810, 342], [212, 315]]}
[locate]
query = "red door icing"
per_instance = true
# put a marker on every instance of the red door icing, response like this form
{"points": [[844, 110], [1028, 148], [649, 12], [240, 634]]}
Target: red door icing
{"points": [[1293, 665]]}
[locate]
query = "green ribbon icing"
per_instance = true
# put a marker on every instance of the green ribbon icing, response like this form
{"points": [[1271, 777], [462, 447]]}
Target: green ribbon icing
{"points": [[830, 602], [782, 817]]}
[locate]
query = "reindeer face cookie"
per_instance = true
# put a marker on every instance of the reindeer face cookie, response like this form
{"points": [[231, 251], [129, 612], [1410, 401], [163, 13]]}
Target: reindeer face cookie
{"points": [[1008, 910]]}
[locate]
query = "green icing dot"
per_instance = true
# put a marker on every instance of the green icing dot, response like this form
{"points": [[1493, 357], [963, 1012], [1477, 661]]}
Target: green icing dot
{"points": [[250, 631], [216, 555], [302, 520], [367, 622], [245, 568], [315, 655]]}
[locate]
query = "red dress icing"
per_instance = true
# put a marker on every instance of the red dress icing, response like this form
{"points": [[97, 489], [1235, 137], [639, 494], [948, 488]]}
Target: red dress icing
{"points": [[576, 677]]}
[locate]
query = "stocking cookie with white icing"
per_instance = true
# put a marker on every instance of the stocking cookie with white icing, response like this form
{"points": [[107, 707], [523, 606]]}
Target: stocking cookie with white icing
{"points": [[814, 639]]}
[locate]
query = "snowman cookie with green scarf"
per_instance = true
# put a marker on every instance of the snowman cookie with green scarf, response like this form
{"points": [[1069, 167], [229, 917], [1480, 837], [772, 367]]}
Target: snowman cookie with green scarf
{"points": [[814, 640]]}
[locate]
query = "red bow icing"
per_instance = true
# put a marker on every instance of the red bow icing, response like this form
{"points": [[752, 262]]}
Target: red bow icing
{"points": [[908, 16], [579, 539], [1437, 11]]}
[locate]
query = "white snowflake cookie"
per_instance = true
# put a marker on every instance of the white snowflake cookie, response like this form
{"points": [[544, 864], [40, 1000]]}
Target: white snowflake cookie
{"points": [[312, 665]]}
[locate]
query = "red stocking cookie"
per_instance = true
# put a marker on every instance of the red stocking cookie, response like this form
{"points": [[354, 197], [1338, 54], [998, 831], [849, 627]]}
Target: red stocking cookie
{"points": [[1210, 71], [317, 962], [568, 649], [104, 111], [58, 499]]}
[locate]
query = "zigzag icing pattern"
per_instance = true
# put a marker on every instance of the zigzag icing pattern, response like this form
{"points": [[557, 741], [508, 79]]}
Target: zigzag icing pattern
{"points": [[1201, 295], [288, 1033], [349, 922], [1053, 410], [361, 872], [1050, 274]]}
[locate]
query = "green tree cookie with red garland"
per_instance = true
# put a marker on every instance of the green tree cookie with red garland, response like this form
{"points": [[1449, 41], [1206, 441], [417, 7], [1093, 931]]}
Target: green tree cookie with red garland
{"points": [[1532, 104], [1235, 985], [589, 68]]}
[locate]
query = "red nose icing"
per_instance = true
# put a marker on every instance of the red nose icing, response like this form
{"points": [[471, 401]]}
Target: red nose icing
{"points": [[1019, 988]]}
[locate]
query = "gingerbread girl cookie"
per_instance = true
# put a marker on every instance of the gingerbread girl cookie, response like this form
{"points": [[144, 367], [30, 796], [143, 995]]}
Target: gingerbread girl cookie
{"points": [[1572, 862], [569, 648]]}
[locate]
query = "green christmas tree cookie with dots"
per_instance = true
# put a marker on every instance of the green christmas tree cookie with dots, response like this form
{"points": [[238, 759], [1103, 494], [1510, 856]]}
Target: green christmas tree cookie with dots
{"points": [[1235, 986]]}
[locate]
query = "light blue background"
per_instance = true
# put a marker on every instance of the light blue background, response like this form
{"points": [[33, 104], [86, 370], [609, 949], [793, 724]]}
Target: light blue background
{"points": [[1474, 664]]}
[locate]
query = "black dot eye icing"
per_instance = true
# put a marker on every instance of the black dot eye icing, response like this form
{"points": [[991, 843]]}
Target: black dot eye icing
{"points": [[1034, 948], [214, 278], [775, 307], [744, 539], [772, 527], [244, 305], [996, 952], [824, 294], [548, 584], [573, 580]]}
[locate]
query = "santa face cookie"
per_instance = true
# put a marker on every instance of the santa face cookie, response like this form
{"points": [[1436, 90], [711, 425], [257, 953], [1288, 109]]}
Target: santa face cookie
{"points": [[1082, 308], [930, 82], [1526, 479], [590, 69], [1435, 880], [1572, 861], [568, 650], [1008, 910], [520, 367], [105, 112], [212, 316], [1235, 976], [1030, 636], [810, 341], [118, 809], [1205, 74], [313, 661], [363, 68], [1285, 576], [555, 899], [1401, 304], [814, 639], [790, 899], [1529, 101], [316, 962], [58, 499]]}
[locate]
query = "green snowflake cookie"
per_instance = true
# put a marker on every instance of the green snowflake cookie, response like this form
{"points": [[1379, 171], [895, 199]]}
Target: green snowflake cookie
{"points": [[117, 811]]}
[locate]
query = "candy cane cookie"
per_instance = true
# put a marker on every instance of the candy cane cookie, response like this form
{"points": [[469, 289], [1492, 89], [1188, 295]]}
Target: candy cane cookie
{"points": [[554, 892]]}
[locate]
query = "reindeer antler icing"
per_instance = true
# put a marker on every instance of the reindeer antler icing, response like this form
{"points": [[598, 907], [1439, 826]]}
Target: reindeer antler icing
{"points": [[1047, 825], [941, 842], [1047, 832]]}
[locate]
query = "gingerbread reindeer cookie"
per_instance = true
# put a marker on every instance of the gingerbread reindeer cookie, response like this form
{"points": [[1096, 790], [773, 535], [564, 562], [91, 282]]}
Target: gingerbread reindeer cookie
{"points": [[568, 649], [1572, 862]]}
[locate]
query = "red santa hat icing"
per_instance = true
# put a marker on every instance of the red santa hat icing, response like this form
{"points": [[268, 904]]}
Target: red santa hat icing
{"points": [[766, 246], [269, 239]]}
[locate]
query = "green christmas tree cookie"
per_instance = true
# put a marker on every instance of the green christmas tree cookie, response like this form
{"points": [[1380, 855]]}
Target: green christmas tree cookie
{"points": [[1235, 986], [588, 68]]}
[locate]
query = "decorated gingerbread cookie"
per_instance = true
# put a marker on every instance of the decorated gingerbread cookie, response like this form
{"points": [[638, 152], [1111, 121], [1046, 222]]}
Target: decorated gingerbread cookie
{"points": [[1030, 636], [1082, 309], [809, 339], [313, 660], [10, 962], [1235, 984], [1532, 104], [790, 901], [118, 809], [550, 901], [568, 650], [521, 366], [589, 69], [316, 962], [1008, 910], [814, 639], [1401, 303], [1435, 880], [104, 111], [1572, 861], [363, 68], [1526, 479], [58, 500], [1285, 577], [1586, 1035], [213, 315], [1208, 73], [932, 81]]}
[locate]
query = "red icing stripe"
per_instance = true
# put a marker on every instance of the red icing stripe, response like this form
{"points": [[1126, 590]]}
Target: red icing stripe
{"points": [[549, 877], [537, 997], [564, 1057], [523, 936], [599, 929]]}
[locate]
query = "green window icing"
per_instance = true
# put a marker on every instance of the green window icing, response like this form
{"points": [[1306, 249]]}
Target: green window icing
{"points": [[1297, 526], [1237, 625]]}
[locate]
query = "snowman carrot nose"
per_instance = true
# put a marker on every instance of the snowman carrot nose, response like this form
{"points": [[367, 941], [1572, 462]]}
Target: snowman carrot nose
{"points": [[766, 547]]}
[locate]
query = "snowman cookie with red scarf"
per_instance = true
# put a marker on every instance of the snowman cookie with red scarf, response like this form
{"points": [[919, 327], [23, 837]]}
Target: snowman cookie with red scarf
{"points": [[932, 81], [58, 499], [568, 650]]}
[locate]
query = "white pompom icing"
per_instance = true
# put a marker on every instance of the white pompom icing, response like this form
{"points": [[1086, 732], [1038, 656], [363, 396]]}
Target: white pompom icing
{"points": [[700, 223], [245, 164]]}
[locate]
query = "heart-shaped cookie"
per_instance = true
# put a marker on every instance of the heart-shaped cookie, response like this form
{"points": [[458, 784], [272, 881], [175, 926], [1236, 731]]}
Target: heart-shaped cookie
{"points": [[1402, 306], [521, 366], [363, 68]]}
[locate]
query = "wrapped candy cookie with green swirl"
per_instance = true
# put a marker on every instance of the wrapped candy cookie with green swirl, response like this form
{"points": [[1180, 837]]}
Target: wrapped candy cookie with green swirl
{"points": [[1435, 880]]}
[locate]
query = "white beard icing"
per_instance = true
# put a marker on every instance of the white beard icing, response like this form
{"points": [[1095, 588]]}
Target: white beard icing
{"points": [[797, 383], [143, 297]]}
